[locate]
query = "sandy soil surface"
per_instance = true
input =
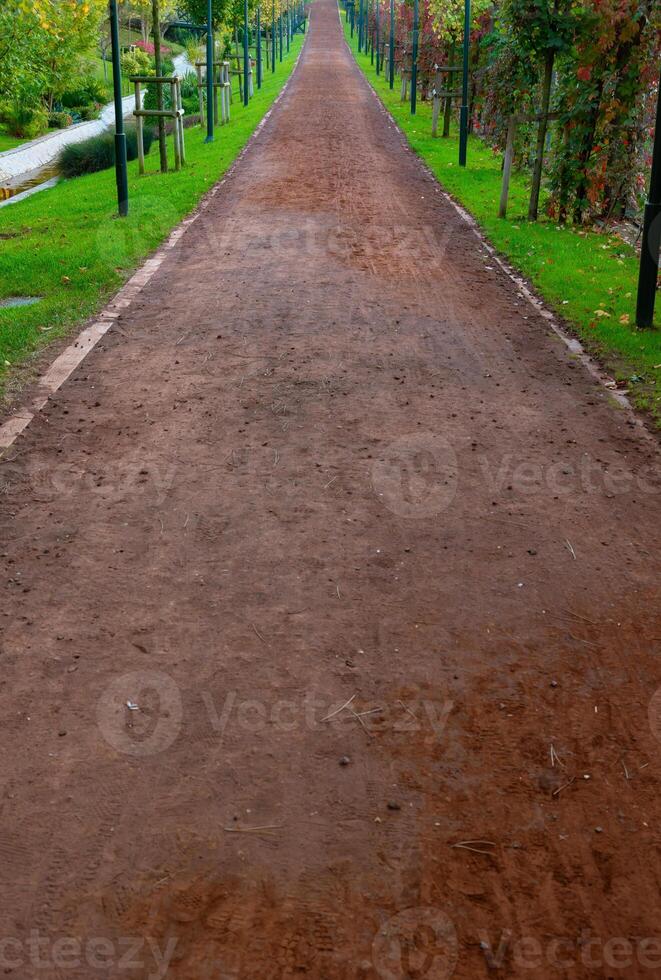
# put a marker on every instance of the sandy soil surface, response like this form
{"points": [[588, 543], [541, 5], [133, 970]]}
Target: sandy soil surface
{"points": [[330, 627]]}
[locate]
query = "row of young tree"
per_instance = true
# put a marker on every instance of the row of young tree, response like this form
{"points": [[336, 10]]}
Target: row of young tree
{"points": [[51, 47], [592, 64]]}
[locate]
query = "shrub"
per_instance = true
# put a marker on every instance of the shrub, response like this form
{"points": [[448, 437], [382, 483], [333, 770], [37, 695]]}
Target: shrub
{"points": [[137, 62], [195, 52], [84, 113], [98, 153], [149, 48], [27, 122], [59, 120], [90, 91], [180, 35]]}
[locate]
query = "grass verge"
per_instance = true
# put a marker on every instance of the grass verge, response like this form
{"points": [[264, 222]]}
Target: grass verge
{"points": [[67, 245], [7, 141], [589, 279]]}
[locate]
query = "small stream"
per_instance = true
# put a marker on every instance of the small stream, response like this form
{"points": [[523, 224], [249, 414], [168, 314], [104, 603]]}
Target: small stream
{"points": [[29, 183]]}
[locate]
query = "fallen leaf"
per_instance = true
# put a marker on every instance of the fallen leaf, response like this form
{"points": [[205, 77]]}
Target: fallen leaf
{"points": [[624, 318], [601, 313]]}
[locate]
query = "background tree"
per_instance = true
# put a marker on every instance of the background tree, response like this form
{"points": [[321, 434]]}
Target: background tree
{"points": [[541, 29]]}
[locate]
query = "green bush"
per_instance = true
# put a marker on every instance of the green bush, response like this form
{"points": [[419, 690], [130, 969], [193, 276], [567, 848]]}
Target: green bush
{"points": [[26, 122], [91, 91], [59, 120], [98, 153], [137, 62], [85, 113]]}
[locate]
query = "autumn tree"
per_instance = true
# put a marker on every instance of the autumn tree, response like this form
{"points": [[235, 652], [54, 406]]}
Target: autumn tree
{"points": [[542, 29]]}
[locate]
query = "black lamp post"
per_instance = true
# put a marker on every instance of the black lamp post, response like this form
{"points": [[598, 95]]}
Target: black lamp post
{"points": [[378, 34], [391, 48], [463, 112], [414, 59], [258, 55], [210, 73], [273, 39], [121, 172], [651, 241], [246, 55]]}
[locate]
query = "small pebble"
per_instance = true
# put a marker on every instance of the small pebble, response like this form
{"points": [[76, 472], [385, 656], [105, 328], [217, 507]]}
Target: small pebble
{"points": [[599, 830], [394, 806], [554, 683], [345, 760]]}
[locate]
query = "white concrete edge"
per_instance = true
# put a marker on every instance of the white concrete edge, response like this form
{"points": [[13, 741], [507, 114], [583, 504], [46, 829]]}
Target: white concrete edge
{"points": [[524, 286], [66, 363], [42, 152]]}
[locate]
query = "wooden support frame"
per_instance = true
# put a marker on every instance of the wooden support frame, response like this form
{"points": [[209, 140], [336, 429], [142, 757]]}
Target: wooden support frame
{"points": [[221, 82], [176, 113], [406, 78], [512, 126], [440, 92], [238, 72]]}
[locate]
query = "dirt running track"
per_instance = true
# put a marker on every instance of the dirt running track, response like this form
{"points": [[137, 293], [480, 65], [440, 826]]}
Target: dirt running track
{"points": [[330, 455]]}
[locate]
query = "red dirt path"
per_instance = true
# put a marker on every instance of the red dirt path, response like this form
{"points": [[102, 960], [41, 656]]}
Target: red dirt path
{"points": [[329, 454]]}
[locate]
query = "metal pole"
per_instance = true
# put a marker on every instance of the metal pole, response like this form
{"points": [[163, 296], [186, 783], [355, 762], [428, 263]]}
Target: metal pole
{"points": [[391, 50], [259, 47], [371, 33], [210, 73], [120, 137], [378, 34], [463, 114], [246, 54], [651, 241], [280, 32], [414, 59], [273, 40]]}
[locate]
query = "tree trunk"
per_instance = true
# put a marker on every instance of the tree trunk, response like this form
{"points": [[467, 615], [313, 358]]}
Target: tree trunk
{"points": [[159, 88], [533, 206], [580, 202]]}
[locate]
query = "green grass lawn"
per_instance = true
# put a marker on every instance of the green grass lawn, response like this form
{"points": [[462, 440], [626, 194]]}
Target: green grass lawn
{"points": [[99, 72], [589, 279], [67, 245], [7, 141]]}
